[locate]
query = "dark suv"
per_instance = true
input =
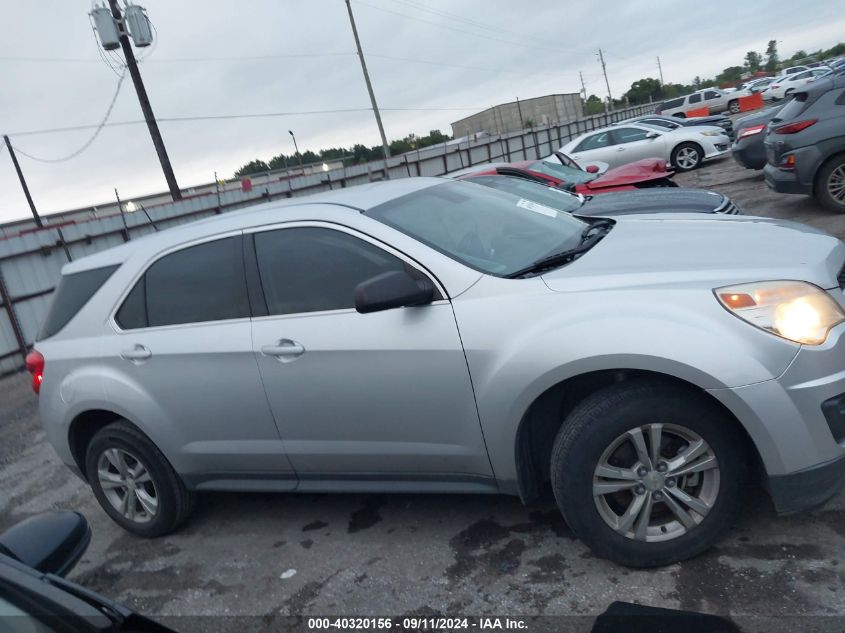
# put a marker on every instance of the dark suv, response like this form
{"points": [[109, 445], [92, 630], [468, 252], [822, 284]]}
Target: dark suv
{"points": [[805, 144]]}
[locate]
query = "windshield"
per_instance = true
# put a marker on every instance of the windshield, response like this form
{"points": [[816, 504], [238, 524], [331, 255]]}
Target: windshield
{"points": [[570, 175], [538, 192], [486, 229]]}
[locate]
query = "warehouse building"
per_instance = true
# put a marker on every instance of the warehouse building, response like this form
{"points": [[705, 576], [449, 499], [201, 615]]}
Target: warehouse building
{"points": [[517, 115]]}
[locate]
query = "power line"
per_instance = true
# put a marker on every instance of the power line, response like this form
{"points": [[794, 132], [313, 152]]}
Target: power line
{"points": [[440, 25], [219, 117], [87, 143]]}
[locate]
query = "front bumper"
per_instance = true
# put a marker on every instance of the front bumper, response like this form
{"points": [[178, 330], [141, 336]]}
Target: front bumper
{"points": [[804, 463], [716, 150]]}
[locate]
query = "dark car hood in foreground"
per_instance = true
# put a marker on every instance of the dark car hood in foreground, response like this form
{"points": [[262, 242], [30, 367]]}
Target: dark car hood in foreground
{"points": [[655, 200]]}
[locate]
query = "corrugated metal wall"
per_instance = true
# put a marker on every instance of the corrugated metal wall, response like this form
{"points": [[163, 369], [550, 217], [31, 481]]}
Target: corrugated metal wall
{"points": [[30, 264]]}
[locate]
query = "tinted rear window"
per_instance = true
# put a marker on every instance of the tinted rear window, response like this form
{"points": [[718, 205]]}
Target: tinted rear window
{"points": [[197, 284], [672, 103], [794, 107], [72, 293]]}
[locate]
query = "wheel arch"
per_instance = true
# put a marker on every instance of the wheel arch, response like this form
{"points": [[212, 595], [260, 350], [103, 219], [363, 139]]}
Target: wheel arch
{"points": [[545, 415], [834, 154], [83, 428]]}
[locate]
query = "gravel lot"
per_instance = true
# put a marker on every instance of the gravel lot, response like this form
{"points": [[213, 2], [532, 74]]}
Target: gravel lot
{"points": [[395, 554]]}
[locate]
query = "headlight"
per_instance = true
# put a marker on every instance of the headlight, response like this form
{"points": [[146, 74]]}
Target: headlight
{"points": [[712, 133], [795, 310]]}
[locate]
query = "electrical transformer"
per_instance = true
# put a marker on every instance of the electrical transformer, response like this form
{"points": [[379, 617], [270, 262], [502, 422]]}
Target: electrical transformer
{"points": [[106, 28], [139, 25]]}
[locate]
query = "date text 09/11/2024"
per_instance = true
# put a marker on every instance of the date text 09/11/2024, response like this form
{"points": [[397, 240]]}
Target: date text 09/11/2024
{"points": [[417, 623]]}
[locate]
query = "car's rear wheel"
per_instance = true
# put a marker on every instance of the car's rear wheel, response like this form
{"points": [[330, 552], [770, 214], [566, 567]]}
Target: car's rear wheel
{"points": [[134, 483], [830, 184], [733, 106], [686, 156], [648, 474], [680, 115]]}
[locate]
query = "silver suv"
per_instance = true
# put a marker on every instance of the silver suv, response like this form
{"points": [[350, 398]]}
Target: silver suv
{"points": [[715, 100], [429, 335]]}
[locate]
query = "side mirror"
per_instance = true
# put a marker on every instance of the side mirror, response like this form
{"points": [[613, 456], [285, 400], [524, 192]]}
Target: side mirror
{"points": [[395, 289], [51, 543], [592, 169], [652, 135]]}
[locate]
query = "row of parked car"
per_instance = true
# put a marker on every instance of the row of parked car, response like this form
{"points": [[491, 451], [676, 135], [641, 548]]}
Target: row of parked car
{"points": [[800, 144]]}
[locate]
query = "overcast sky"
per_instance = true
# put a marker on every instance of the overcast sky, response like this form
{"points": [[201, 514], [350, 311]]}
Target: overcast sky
{"points": [[449, 58]]}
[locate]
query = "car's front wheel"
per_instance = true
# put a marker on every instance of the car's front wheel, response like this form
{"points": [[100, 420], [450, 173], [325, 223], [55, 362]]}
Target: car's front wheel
{"points": [[686, 156], [733, 107], [648, 474], [134, 483]]}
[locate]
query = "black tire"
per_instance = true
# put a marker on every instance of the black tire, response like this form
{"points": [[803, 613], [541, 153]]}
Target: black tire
{"points": [[601, 418], [680, 115], [823, 181], [686, 146], [175, 501], [733, 106]]}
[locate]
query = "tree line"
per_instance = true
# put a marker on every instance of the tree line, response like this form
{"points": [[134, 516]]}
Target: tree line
{"points": [[354, 155]]}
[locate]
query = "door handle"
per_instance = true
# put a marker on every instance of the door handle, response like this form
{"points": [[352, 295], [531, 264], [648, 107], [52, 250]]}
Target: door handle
{"points": [[620, 149], [137, 353], [285, 350]]}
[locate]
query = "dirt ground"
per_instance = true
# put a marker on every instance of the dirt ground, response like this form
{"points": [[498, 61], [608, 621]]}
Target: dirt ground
{"points": [[270, 555]]}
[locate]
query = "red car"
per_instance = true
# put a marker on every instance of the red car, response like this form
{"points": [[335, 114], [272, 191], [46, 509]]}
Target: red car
{"points": [[561, 171]]}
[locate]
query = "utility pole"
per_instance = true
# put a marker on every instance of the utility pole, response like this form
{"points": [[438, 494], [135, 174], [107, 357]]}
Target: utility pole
{"points": [[607, 83], [384, 144], [583, 87], [519, 110], [146, 108], [32, 208], [660, 68]]}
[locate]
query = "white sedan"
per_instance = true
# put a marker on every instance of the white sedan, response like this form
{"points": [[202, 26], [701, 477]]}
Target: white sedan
{"points": [[684, 148], [784, 86]]}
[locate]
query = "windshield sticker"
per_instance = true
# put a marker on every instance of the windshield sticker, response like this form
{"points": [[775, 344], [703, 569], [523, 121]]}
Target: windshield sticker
{"points": [[536, 208]]}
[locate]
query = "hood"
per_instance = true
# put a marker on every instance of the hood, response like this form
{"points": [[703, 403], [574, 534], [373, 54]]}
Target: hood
{"points": [[638, 171], [713, 119], [654, 200], [716, 250]]}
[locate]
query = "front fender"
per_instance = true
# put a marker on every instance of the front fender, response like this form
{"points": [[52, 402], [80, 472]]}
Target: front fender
{"points": [[539, 340]]}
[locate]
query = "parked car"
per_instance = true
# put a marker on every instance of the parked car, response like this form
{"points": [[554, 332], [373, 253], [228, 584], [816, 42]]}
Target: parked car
{"points": [[675, 200], [792, 70], [559, 170], [805, 144], [715, 100], [431, 335], [749, 149], [783, 87], [673, 123], [756, 84], [684, 148]]}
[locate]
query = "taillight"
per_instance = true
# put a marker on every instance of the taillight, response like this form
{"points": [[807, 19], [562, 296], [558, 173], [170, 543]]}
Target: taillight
{"points": [[787, 163], [751, 131], [35, 366], [792, 128]]}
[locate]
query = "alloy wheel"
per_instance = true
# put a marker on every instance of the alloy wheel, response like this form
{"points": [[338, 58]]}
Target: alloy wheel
{"points": [[836, 184], [656, 482], [687, 157], [127, 484]]}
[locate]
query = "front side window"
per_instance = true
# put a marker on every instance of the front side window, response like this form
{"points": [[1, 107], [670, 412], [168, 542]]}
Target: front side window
{"points": [[197, 284], [711, 94], [491, 231], [630, 134], [594, 142], [312, 269]]}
